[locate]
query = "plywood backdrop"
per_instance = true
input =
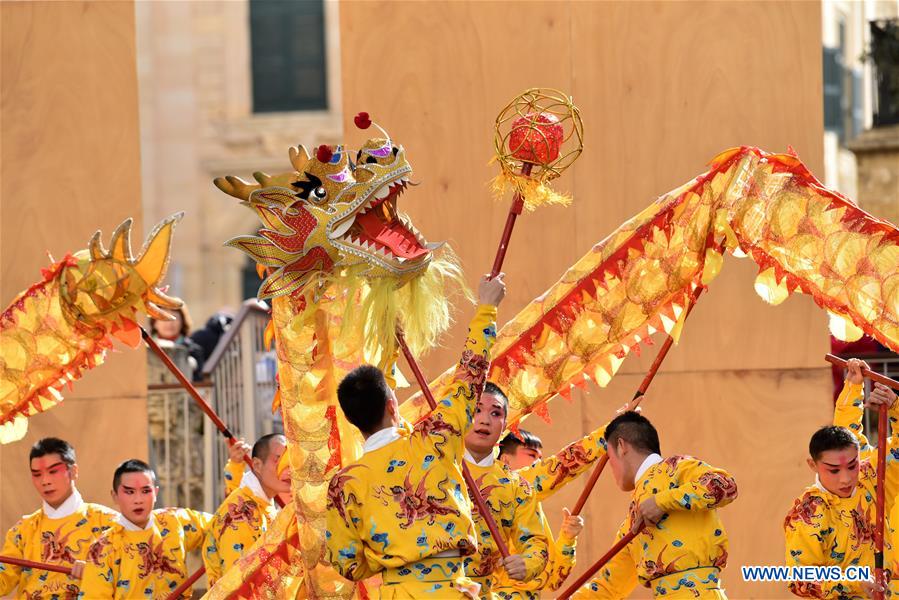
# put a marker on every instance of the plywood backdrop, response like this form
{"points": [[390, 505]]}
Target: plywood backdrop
{"points": [[70, 164], [662, 88]]}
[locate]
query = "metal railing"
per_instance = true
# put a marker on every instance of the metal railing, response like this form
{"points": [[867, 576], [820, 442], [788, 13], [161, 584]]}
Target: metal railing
{"points": [[243, 379], [176, 428]]}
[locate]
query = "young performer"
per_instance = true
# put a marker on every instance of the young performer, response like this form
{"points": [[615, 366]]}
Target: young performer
{"points": [[832, 523], [401, 510], [144, 554], [59, 533], [525, 456], [247, 511], [682, 547], [509, 498]]}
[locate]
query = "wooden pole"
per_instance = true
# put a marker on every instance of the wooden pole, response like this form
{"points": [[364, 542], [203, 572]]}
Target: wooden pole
{"points": [[466, 474], [30, 564], [187, 583], [868, 373], [879, 578], [588, 574], [514, 211]]}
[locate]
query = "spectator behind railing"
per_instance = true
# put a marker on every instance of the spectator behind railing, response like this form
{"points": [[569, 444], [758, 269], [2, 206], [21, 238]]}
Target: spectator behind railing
{"points": [[208, 337], [177, 332]]}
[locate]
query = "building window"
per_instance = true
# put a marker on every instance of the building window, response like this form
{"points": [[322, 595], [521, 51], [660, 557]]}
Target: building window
{"points": [[287, 45], [843, 113]]}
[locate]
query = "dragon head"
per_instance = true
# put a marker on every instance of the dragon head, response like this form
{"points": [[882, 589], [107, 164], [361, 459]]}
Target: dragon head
{"points": [[332, 213], [335, 219]]}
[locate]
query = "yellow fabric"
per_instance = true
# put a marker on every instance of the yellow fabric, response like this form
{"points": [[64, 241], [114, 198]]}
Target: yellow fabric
{"points": [[824, 529], [547, 476], [687, 549], [638, 281], [517, 513], [233, 474], [62, 326], [438, 578], [37, 537], [276, 554], [144, 564], [406, 501], [241, 519]]}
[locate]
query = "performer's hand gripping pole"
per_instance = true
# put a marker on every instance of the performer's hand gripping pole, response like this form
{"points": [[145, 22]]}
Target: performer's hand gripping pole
{"points": [[589, 573], [633, 404], [882, 424], [30, 564], [469, 480]]}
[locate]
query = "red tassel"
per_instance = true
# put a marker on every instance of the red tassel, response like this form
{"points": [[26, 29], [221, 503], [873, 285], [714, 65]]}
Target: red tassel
{"points": [[333, 439]]}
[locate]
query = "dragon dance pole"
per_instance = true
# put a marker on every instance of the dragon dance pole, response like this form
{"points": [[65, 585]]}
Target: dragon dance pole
{"points": [[30, 564], [514, 211], [619, 545], [178, 591], [882, 422], [634, 403], [469, 480]]}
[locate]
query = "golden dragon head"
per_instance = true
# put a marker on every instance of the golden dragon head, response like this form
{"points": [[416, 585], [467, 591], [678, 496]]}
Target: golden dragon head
{"points": [[332, 213]]}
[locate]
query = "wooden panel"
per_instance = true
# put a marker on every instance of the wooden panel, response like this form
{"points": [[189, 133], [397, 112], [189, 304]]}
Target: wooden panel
{"points": [[69, 164], [662, 87]]}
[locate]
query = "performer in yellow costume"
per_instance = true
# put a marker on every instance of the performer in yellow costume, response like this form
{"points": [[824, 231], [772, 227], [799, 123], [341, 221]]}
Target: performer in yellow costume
{"points": [[59, 533], [401, 509], [832, 523], [144, 553], [682, 545], [547, 476], [509, 499], [247, 511]]}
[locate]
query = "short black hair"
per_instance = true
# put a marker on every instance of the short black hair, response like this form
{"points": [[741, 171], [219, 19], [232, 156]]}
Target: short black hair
{"points": [[132, 465], [52, 445], [262, 447], [492, 388], [830, 438], [363, 396], [511, 443], [636, 430]]}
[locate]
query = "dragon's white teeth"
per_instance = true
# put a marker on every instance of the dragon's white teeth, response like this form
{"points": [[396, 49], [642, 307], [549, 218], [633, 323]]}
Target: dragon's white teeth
{"points": [[404, 179], [434, 245], [382, 193], [343, 228]]}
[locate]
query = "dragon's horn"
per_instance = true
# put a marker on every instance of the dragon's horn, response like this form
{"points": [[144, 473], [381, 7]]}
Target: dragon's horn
{"points": [[154, 257], [120, 246], [298, 157], [235, 186], [96, 248]]}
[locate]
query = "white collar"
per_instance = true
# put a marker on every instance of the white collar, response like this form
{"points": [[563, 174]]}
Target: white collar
{"points": [[652, 459], [251, 482], [129, 526], [487, 461], [71, 505], [381, 438]]}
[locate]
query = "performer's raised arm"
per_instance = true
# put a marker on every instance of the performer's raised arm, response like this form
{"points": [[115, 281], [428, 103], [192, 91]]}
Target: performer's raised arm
{"points": [[456, 404], [562, 556], [550, 474]]}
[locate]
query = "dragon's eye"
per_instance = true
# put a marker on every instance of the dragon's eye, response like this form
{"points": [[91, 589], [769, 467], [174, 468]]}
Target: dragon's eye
{"points": [[318, 195]]}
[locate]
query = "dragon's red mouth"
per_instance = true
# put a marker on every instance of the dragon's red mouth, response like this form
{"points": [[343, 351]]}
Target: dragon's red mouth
{"points": [[380, 230]]}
